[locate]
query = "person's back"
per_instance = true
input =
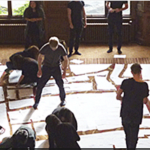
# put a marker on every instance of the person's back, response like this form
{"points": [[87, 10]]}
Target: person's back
{"points": [[66, 136], [134, 92]]}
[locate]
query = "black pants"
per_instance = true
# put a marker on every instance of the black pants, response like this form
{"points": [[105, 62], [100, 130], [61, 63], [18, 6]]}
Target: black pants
{"points": [[112, 23], [75, 36], [131, 131], [47, 72]]}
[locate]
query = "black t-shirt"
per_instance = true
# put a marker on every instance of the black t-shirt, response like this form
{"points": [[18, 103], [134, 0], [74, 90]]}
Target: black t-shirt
{"points": [[132, 103], [76, 12], [114, 5], [52, 57], [29, 70]]}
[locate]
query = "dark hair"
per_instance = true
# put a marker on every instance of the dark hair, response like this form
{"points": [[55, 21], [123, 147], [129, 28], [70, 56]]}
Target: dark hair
{"points": [[136, 68], [37, 4], [20, 138], [65, 115], [51, 123], [18, 61], [34, 51]]}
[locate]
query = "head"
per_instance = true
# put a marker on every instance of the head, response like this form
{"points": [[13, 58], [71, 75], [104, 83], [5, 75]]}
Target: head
{"points": [[34, 51], [20, 138], [136, 69], [53, 43], [18, 61], [65, 115], [33, 4], [51, 123]]}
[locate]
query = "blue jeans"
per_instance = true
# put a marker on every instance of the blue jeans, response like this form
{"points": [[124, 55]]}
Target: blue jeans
{"points": [[47, 72]]}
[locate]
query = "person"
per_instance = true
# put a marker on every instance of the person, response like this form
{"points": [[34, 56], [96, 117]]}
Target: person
{"points": [[114, 16], [66, 115], [29, 68], [135, 93], [34, 31], [24, 137], [31, 52], [76, 12], [60, 134], [52, 121], [52, 52]]}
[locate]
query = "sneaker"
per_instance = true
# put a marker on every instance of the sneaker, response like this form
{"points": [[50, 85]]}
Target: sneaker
{"points": [[63, 103], [70, 55], [77, 53], [119, 52], [109, 51], [35, 106]]}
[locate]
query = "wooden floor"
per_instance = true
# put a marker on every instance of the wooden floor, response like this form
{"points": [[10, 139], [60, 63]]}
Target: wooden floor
{"points": [[88, 51]]}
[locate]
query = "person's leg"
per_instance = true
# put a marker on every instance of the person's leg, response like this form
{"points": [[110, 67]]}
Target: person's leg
{"points": [[110, 34], [127, 133], [77, 39], [46, 74], [119, 33], [134, 130], [71, 41], [59, 81]]}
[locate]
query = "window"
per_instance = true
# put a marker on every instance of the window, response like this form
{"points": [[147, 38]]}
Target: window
{"points": [[97, 8], [3, 8], [13, 8], [18, 7]]}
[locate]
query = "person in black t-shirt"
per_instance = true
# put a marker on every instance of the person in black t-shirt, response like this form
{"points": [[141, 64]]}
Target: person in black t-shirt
{"points": [[115, 20], [76, 13], [52, 53], [29, 69], [136, 93], [34, 31]]}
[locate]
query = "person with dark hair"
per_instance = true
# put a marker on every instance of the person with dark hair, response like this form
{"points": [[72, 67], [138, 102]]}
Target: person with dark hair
{"points": [[76, 13], [29, 68], [31, 52], [66, 115], [136, 93], [34, 32], [115, 20], [52, 53], [24, 137], [52, 122], [60, 134]]}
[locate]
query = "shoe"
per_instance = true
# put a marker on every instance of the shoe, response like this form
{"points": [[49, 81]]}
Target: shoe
{"points": [[119, 52], [109, 51], [63, 103], [35, 106], [77, 53], [69, 55]]}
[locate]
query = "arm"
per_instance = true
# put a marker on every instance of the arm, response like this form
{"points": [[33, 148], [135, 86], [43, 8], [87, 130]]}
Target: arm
{"points": [[84, 17], [145, 100], [40, 60], [121, 9], [69, 18], [109, 8], [119, 92], [65, 64], [21, 78]]}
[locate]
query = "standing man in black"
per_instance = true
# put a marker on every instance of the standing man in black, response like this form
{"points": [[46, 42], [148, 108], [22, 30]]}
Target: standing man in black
{"points": [[135, 93], [76, 14], [115, 9]]}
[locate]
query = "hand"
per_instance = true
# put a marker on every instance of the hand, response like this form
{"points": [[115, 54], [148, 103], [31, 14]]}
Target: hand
{"points": [[117, 10], [111, 10], [64, 74], [71, 26], [39, 73], [85, 25]]}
